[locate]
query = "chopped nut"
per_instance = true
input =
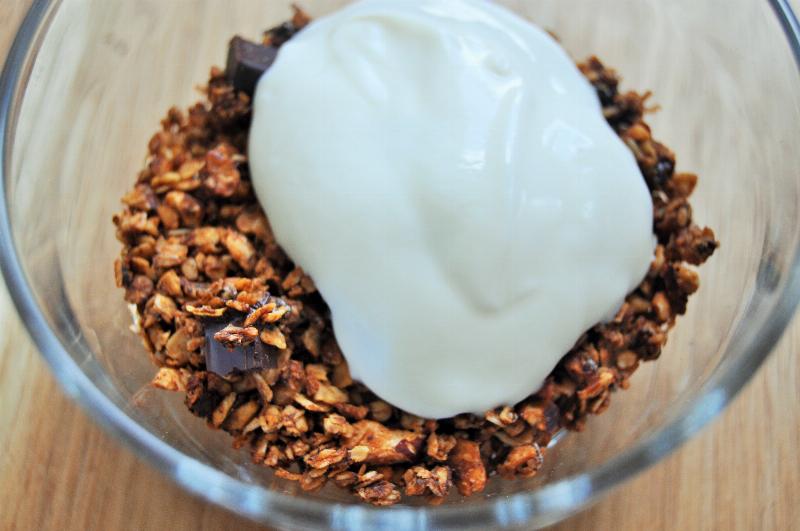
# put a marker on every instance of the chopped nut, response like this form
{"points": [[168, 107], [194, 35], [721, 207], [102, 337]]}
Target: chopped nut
{"points": [[661, 307], [235, 336], [316, 372], [386, 446], [468, 469], [170, 284], [505, 417], [177, 346], [187, 206], [142, 266], [170, 379], [215, 267], [222, 177], [329, 394], [253, 221], [169, 254], [164, 307], [604, 379], [271, 419], [294, 421], [158, 337], [205, 239], [139, 290], [541, 415], [140, 198], [368, 477], [419, 481], [132, 223], [189, 269], [440, 446], [522, 461]]}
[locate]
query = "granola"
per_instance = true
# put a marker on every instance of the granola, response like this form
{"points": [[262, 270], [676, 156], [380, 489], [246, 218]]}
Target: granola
{"points": [[197, 246]]}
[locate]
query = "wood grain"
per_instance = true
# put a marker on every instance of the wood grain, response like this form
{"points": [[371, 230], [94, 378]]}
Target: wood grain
{"points": [[58, 470]]}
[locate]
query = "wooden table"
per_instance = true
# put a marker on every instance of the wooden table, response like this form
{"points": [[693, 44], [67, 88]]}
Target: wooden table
{"points": [[58, 470]]}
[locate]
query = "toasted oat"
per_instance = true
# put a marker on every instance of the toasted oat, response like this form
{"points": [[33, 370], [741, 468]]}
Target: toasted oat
{"points": [[325, 457], [205, 311], [309, 405], [337, 425], [274, 337], [359, 454], [380, 494]]}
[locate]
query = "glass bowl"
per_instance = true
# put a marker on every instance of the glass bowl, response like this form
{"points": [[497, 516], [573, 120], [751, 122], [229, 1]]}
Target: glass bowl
{"points": [[86, 83]]}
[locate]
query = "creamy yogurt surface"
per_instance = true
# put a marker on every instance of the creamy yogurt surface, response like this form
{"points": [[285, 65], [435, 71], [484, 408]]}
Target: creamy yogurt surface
{"points": [[444, 173]]}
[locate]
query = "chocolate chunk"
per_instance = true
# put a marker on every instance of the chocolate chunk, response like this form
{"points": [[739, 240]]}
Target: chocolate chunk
{"points": [[246, 62], [223, 360]]}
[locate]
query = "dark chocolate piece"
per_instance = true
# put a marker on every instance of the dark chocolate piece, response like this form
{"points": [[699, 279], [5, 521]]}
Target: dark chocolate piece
{"points": [[223, 361], [246, 62]]}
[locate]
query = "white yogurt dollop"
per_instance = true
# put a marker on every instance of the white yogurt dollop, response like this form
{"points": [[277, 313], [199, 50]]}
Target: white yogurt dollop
{"points": [[444, 173]]}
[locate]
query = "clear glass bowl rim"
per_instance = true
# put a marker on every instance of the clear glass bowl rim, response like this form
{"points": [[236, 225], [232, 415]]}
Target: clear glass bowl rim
{"points": [[537, 508]]}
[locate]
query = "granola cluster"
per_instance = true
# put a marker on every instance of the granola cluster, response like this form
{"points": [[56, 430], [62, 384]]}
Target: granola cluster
{"points": [[197, 246]]}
